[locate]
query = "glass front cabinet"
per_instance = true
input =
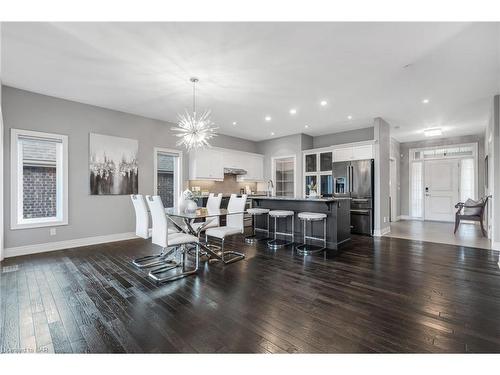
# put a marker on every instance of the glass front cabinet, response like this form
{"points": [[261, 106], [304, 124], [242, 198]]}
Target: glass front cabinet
{"points": [[318, 174]]}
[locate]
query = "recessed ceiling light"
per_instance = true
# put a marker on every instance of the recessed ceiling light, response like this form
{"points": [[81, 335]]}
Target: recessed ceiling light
{"points": [[433, 132], [267, 118], [272, 133], [349, 117], [307, 126], [425, 101], [293, 111], [323, 103], [234, 122]]}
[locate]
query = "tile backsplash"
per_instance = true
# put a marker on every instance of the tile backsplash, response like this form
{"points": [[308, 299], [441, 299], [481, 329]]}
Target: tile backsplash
{"points": [[229, 186]]}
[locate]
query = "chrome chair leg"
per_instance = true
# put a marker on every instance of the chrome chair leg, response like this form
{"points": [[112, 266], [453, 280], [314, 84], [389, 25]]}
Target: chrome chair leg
{"points": [[154, 260], [156, 273], [236, 256], [278, 243], [253, 238], [307, 249]]}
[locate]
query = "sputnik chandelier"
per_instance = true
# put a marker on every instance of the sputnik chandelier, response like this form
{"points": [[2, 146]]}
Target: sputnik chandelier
{"points": [[194, 131]]}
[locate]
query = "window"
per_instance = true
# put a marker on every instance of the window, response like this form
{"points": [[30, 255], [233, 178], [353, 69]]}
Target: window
{"points": [[467, 179], [416, 192], [444, 152], [39, 185], [168, 179]]}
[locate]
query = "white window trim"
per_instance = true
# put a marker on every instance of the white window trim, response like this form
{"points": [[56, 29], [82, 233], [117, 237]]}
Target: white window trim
{"points": [[273, 172], [179, 179], [16, 188]]}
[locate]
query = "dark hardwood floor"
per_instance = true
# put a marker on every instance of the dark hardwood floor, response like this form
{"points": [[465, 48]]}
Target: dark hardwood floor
{"points": [[375, 295]]}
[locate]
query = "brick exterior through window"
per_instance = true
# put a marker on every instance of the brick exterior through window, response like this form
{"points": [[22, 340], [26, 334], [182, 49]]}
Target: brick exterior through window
{"points": [[166, 188], [39, 179], [39, 192]]}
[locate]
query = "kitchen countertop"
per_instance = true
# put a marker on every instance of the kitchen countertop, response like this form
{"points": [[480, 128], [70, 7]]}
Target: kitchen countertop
{"points": [[229, 195], [329, 199]]}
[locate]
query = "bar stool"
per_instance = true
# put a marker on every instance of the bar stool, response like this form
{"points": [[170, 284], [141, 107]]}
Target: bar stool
{"points": [[255, 212], [277, 243], [311, 217]]}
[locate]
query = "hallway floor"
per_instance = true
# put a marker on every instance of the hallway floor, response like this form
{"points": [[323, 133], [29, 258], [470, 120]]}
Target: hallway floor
{"points": [[439, 232]]}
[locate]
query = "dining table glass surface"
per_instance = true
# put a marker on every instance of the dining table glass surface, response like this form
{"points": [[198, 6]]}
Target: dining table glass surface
{"points": [[200, 213]]}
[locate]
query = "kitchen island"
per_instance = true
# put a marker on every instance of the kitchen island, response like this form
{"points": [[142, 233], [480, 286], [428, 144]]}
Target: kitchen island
{"points": [[338, 222]]}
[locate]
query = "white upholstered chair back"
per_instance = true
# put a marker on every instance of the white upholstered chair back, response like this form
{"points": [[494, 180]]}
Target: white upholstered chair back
{"points": [[213, 203], [236, 205], [141, 216], [160, 221]]}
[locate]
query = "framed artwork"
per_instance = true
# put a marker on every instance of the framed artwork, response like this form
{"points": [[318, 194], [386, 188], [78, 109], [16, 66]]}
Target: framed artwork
{"points": [[113, 165]]}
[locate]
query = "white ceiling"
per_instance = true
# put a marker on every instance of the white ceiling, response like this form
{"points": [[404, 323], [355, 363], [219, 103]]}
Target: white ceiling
{"points": [[250, 70]]}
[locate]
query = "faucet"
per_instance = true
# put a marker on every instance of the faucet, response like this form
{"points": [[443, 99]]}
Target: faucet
{"points": [[270, 187]]}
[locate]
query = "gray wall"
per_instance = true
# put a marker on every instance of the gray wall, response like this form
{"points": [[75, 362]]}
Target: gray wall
{"points": [[356, 135], [89, 216], [495, 125], [285, 146], [404, 170]]}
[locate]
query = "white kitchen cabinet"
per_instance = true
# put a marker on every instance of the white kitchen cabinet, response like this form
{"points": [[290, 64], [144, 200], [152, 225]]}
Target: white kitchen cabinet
{"points": [[254, 165], [353, 153], [233, 159], [343, 154], [209, 164], [206, 164], [363, 152]]}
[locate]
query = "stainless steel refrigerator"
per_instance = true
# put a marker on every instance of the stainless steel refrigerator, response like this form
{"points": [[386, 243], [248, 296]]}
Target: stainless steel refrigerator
{"points": [[354, 179]]}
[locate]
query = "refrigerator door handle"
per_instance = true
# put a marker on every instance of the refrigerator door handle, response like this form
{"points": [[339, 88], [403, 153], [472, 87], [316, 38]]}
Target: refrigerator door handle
{"points": [[348, 180], [352, 177]]}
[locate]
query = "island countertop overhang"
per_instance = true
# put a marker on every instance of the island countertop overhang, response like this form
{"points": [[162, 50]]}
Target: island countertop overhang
{"points": [[329, 199]]}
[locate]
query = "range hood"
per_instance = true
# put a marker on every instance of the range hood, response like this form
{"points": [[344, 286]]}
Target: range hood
{"points": [[235, 171]]}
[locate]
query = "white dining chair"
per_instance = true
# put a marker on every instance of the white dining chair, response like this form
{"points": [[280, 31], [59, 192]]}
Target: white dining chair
{"points": [[142, 225], [144, 230], [234, 225], [166, 239], [213, 203]]}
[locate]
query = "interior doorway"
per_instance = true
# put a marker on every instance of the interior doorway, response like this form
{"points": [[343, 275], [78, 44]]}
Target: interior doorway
{"points": [[440, 177]]}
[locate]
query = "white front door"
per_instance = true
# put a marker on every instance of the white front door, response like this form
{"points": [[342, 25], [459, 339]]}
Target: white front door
{"points": [[441, 189]]}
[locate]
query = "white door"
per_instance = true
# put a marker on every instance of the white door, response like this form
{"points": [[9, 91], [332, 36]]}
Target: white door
{"points": [[440, 189]]}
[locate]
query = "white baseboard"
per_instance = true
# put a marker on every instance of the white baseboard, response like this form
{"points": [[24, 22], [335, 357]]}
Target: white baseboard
{"points": [[68, 244], [381, 232], [407, 217], [495, 246]]}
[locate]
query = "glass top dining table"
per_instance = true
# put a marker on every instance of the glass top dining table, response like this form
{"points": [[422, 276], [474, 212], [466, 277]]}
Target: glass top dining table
{"points": [[189, 217], [200, 213]]}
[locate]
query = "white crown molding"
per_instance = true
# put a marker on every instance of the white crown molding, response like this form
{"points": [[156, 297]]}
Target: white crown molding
{"points": [[68, 244], [381, 232]]}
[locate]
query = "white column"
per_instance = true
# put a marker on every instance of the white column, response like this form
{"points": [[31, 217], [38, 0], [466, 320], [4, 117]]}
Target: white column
{"points": [[382, 135], [494, 168], [1, 154]]}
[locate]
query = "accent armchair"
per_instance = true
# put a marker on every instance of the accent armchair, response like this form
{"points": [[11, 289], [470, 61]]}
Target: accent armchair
{"points": [[471, 210]]}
